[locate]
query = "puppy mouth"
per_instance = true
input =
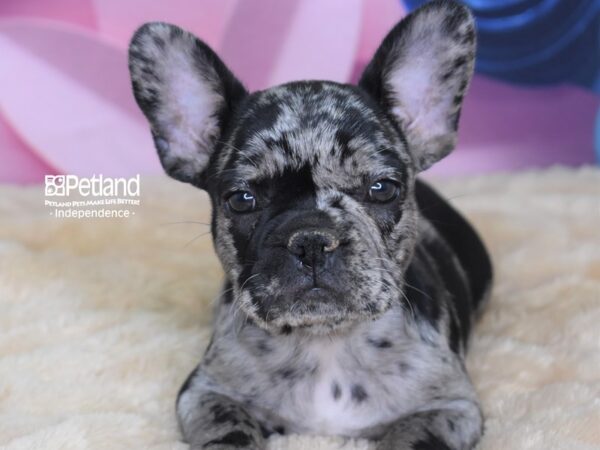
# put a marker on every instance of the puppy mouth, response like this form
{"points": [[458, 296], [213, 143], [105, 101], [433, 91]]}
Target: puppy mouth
{"points": [[315, 296], [284, 290], [307, 308]]}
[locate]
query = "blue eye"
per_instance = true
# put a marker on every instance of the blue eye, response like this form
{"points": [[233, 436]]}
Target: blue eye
{"points": [[383, 191], [242, 201]]}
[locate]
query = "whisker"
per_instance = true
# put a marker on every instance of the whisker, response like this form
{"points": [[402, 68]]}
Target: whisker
{"points": [[221, 294], [195, 238], [417, 289], [248, 279]]}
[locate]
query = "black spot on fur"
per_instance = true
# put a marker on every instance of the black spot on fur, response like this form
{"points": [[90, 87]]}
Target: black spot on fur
{"points": [[233, 438], [371, 307], [159, 42], [287, 373], [289, 188], [265, 431], [404, 367], [431, 442], [468, 38], [151, 75], [342, 138], [379, 343], [336, 391], [459, 63], [175, 33], [337, 203], [451, 425], [358, 393], [446, 76], [222, 414], [286, 329], [263, 346], [456, 340]]}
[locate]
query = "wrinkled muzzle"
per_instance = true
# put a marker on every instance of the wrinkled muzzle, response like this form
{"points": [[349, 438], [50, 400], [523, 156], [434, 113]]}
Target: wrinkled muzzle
{"points": [[306, 269]]}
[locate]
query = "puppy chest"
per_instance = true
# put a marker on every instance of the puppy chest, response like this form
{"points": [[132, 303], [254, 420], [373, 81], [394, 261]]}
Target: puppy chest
{"points": [[343, 396], [346, 403]]}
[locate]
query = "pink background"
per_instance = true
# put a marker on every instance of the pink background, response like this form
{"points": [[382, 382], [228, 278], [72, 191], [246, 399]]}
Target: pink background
{"points": [[66, 105]]}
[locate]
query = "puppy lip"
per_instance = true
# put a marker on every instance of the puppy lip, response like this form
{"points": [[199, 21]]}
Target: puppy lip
{"points": [[313, 292], [316, 291]]}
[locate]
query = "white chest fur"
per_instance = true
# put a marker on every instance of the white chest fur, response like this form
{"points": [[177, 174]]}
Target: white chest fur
{"points": [[343, 402], [355, 387], [348, 385]]}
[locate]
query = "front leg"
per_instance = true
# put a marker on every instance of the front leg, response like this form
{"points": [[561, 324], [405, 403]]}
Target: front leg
{"points": [[213, 421], [457, 426]]}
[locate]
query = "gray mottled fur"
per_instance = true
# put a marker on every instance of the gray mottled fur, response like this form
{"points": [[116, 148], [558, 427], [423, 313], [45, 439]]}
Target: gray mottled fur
{"points": [[367, 361]]}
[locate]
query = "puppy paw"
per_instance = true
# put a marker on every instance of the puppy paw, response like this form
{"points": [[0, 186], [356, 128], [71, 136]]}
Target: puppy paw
{"points": [[235, 439]]}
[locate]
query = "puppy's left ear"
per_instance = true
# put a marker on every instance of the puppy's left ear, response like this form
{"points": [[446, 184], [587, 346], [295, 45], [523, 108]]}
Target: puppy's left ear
{"points": [[420, 74]]}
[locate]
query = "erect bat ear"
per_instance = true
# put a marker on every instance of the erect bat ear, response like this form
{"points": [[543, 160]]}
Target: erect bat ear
{"points": [[187, 94], [420, 74]]}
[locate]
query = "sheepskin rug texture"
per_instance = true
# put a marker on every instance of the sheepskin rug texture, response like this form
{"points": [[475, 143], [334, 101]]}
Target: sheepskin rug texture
{"points": [[102, 320]]}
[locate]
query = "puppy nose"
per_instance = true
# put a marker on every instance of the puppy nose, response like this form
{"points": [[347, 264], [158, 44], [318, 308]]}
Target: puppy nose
{"points": [[312, 246]]}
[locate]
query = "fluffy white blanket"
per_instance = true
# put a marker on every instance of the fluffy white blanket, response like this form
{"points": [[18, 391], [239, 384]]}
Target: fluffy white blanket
{"points": [[101, 320]]}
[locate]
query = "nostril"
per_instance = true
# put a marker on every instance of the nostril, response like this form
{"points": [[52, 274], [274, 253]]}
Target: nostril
{"points": [[297, 249], [312, 245], [331, 245]]}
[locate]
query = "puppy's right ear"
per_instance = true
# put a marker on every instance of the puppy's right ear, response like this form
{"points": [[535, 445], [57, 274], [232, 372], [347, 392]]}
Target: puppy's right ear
{"points": [[187, 94]]}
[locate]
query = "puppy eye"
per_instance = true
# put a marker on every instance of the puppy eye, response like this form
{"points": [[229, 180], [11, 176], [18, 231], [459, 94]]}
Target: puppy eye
{"points": [[383, 191], [242, 201]]}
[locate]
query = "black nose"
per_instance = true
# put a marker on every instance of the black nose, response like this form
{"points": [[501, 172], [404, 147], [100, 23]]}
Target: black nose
{"points": [[312, 247]]}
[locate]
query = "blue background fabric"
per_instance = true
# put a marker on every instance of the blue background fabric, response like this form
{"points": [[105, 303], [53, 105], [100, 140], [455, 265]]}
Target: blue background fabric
{"points": [[537, 42]]}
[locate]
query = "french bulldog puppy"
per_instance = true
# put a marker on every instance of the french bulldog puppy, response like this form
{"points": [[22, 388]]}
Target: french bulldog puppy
{"points": [[350, 286]]}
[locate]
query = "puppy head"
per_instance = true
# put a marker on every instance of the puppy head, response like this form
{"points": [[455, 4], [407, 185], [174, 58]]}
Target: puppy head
{"points": [[314, 216]]}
